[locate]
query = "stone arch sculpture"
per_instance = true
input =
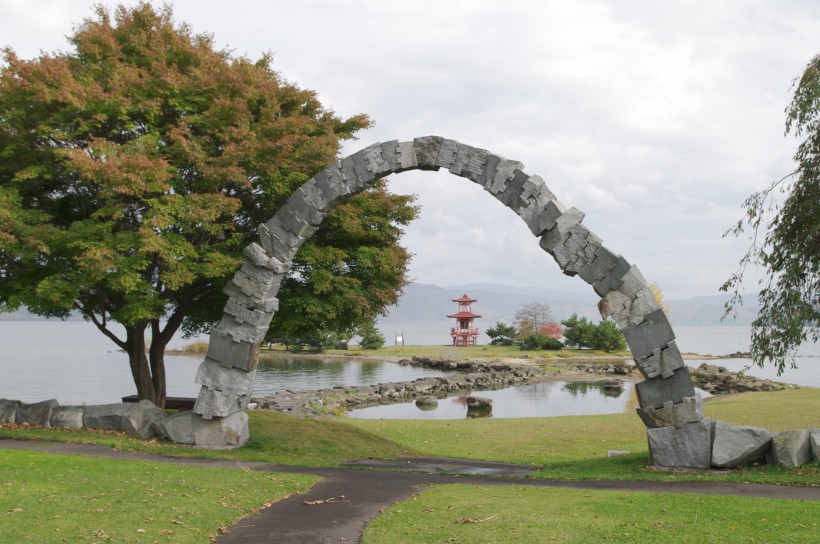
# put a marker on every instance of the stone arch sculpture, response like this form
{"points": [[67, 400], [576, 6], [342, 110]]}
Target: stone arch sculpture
{"points": [[668, 404]]}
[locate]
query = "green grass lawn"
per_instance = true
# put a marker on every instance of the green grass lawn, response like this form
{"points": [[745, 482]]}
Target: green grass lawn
{"points": [[49, 498], [498, 515]]}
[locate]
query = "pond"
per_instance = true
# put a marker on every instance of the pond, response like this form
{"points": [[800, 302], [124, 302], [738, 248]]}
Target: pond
{"points": [[541, 399], [302, 373]]}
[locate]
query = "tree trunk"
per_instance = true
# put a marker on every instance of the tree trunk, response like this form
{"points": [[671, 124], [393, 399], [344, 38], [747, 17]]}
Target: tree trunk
{"points": [[156, 355], [140, 371]]}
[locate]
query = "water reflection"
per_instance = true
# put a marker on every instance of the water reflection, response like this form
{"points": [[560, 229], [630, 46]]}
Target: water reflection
{"points": [[303, 373], [597, 388], [533, 400]]}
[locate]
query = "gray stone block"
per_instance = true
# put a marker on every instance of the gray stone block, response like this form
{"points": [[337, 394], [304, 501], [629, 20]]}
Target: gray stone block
{"points": [[655, 392], [242, 330], [653, 333], [662, 362], [632, 282], [498, 172], [689, 447], [470, 163], [814, 443], [789, 448], [555, 238], [391, 155], [447, 152], [330, 189], [613, 277], [735, 446], [215, 376], [243, 313], [355, 172], [256, 256], [407, 156], [67, 417], [221, 433], [140, 419], [8, 410], [215, 403], [377, 164], [105, 416], [513, 190], [37, 414], [548, 217], [628, 310], [689, 410], [426, 150], [229, 353], [255, 289], [177, 428], [281, 242], [268, 304]]}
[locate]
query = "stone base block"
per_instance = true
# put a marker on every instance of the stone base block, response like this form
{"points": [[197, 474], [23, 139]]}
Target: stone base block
{"points": [[790, 448], [221, 433], [37, 414], [8, 410], [105, 416], [814, 442], [177, 428], [67, 417], [655, 392], [690, 447], [734, 446], [689, 410], [140, 418]]}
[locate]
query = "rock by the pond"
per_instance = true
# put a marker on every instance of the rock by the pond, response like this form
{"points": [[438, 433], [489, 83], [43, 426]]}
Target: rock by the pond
{"points": [[221, 433], [8, 410], [37, 414], [479, 403], [734, 445], [177, 428], [67, 417], [427, 403], [790, 448], [689, 447], [139, 419], [105, 416]]}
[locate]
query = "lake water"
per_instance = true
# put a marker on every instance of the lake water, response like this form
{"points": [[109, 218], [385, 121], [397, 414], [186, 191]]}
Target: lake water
{"points": [[531, 400], [72, 362]]}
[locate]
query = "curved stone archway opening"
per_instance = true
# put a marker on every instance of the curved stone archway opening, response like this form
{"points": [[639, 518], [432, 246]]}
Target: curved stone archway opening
{"points": [[668, 404]]}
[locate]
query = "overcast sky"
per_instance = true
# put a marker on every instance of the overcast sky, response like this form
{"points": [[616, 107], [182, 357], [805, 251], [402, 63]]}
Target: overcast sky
{"points": [[656, 119]]}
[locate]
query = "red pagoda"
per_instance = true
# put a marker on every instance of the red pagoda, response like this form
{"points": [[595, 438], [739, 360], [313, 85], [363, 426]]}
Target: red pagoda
{"points": [[464, 334]]}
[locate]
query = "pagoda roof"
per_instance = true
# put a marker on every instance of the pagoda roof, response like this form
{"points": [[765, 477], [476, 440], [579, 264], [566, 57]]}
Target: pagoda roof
{"points": [[464, 315], [464, 298]]}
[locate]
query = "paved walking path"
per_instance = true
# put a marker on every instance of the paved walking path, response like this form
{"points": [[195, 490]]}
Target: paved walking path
{"points": [[350, 496]]}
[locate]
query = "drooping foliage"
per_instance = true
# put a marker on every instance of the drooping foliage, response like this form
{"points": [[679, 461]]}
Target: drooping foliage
{"points": [[784, 221], [135, 167]]}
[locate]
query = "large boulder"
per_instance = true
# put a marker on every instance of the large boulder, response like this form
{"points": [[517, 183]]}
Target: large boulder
{"points": [[221, 433], [8, 410], [105, 416], [139, 419], [814, 441], [734, 445], [177, 428], [689, 447], [790, 448], [67, 417], [37, 414]]}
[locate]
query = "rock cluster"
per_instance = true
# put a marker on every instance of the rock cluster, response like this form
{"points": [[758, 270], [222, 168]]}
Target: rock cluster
{"points": [[487, 376], [142, 419], [719, 380]]}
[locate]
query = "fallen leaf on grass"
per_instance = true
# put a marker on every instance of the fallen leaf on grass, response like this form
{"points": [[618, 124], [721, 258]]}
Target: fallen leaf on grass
{"points": [[476, 520], [340, 498], [14, 511]]}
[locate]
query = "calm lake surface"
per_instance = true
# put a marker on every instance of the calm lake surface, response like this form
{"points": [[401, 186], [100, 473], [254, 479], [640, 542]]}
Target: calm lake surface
{"points": [[72, 362]]}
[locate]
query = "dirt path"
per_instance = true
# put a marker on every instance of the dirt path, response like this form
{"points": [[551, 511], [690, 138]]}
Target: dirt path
{"points": [[337, 508]]}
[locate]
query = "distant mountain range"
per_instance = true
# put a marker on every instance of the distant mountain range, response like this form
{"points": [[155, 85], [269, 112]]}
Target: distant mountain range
{"points": [[423, 302], [498, 302]]}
